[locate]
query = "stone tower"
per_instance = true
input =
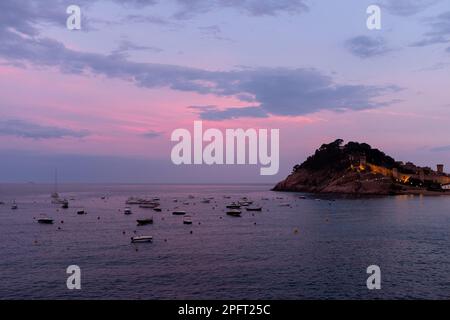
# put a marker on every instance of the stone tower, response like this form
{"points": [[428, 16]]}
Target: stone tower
{"points": [[421, 175], [395, 173], [362, 161]]}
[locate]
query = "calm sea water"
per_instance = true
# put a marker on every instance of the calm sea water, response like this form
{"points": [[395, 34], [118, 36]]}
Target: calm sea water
{"points": [[257, 256]]}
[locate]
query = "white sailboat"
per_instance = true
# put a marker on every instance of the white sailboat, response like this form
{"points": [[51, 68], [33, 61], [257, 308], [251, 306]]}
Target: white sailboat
{"points": [[55, 195]]}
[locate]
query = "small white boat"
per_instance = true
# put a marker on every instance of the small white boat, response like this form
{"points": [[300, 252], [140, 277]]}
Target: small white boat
{"points": [[179, 213], [14, 206], [253, 209], [138, 239], [150, 205], [127, 211], [58, 201], [233, 205], [187, 220], [133, 200]]}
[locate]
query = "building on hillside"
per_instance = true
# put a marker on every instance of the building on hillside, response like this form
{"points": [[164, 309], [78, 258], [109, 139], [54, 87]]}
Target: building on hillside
{"points": [[440, 168]]}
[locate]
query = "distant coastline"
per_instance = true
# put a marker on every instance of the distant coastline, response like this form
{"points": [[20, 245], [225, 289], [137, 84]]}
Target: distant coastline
{"points": [[358, 169]]}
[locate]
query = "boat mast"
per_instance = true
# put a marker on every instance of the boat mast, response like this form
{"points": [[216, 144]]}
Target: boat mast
{"points": [[55, 192]]}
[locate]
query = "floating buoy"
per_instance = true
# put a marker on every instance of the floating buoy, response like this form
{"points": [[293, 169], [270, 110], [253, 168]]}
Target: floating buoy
{"points": [[295, 231], [191, 232]]}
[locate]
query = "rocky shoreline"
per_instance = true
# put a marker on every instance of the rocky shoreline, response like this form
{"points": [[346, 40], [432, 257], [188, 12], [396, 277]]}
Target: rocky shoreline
{"points": [[357, 169]]}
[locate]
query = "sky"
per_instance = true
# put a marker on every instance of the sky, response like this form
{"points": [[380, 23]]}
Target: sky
{"points": [[100, 103]]}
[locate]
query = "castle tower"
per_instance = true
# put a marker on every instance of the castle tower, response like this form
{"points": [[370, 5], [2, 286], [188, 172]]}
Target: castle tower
{"points": [[363, 161], [440, 168], [422, 175], [395, 173]]}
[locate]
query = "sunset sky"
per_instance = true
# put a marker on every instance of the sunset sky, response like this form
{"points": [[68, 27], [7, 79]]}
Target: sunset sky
{"points": [[101, 103]]}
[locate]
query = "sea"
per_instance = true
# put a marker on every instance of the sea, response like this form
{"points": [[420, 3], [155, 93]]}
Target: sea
{"points": [[300, 246]]}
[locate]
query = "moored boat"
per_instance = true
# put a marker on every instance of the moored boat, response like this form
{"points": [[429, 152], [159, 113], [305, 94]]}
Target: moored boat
{"points": [[45, 221], [187, 220], [234, 213], [65, 204], [150, 205], [138, 239], [179, 213], [143, 222], [233, 205], [253, 209], [127, 211], [133, 200]]}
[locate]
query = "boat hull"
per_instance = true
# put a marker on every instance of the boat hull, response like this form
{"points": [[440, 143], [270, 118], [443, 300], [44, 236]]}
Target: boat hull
{"points": [[144, 222], [45, 221], [141, 239]]}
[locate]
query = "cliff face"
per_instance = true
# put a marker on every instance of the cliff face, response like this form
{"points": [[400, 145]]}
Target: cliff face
{"points": [[354, 168], [348, 182]]}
